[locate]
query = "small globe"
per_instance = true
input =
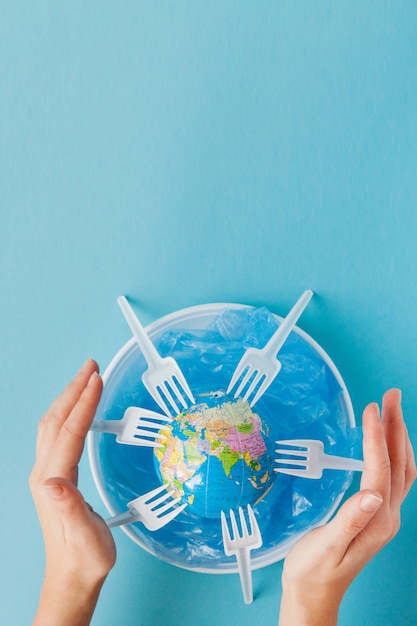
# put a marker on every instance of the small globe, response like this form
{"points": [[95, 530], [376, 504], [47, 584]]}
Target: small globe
{"points": [[217, 455]]}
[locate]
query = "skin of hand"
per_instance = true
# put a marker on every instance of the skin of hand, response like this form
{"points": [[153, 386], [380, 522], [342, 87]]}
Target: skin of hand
{"points": [[320, 567], [79, 547]]}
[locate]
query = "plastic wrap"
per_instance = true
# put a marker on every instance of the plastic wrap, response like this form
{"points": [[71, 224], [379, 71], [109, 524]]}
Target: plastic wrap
{"points": [[306, 400]]}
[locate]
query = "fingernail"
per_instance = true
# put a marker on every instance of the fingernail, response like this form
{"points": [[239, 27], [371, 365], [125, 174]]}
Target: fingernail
{"points": [[54, 491], [370, 502], [92, 379], [375, 407], [400, 395]]}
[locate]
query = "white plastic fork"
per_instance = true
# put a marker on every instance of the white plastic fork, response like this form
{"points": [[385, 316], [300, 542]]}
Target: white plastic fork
{"points": [[138, 427], [311, 460], [163, 373], [154, 512], [240, 545], [259, 366]]}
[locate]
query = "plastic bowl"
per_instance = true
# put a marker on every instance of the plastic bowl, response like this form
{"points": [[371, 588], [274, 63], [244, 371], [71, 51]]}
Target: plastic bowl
{"points": [[292, 506]]}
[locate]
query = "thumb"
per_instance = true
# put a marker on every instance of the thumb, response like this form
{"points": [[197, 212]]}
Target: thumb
{"points": [[353, 517], [67, 499]]}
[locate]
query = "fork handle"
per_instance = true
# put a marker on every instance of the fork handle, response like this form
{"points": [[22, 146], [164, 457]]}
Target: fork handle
{"points": [[107, 426], [279, 337], [123, 518], [149, 351], [342, 463], [245, 573]]}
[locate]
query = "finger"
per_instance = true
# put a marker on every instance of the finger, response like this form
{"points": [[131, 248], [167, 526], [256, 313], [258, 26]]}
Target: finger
{"points": [[351, 519], [395, 436], [66, 501], [59, 410], [377, 470], [75, 533], [68, 447], [410, 468]]}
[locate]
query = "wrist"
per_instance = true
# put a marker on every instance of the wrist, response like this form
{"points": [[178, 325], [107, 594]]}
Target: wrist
{"points": [[67, 601], [308, 606]]}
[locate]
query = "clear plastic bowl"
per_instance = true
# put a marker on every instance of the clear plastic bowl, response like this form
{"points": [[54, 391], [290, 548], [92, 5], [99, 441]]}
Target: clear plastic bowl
{"points": [[308, 399]]}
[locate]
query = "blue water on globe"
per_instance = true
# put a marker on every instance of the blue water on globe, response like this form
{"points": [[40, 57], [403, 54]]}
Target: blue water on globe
{"points": [[217, 455], [223, 466]]}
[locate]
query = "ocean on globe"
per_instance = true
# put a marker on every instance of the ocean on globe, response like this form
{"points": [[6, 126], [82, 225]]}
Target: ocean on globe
{"points": [[217, 455]]}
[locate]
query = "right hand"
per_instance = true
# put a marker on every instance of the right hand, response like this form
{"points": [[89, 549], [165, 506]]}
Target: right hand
{"points": [[320, 567]]}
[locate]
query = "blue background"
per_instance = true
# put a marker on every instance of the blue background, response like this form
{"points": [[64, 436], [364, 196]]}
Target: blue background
{"points": [[184, 153]]}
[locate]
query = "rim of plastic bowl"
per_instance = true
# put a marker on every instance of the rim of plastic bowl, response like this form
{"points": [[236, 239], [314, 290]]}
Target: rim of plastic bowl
{"points": [[194, 315]]}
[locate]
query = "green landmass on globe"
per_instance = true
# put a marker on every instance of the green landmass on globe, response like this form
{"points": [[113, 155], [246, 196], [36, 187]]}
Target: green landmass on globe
{"points": [[217, 455]]}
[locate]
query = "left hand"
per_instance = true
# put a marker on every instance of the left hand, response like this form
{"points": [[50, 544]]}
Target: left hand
{"points": [[80, 550]]}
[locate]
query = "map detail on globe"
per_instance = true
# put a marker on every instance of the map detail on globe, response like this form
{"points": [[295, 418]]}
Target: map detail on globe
{"points": [[217, 455]]}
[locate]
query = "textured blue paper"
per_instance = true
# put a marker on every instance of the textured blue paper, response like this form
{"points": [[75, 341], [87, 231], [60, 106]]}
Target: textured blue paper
{"points": [[188, 152]]}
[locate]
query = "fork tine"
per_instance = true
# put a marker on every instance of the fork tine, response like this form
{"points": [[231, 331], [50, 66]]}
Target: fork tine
{"points": [[244, 381], [227, 539], [300, 453], [236, 375], [141, 413], [254, 382], [263, 387], [290, 472], [175, 387], [261, 378], [154, 522], [168, 517], [150, 424], [151, 494], [300, 443], [243, 525], [253, 524], [166, 507], [225, 528], [168, 396], [141, 509], [149, 433], [183, 383], [138, 441], [302, 463], [158, 399], [158, 501], [234, 524]]}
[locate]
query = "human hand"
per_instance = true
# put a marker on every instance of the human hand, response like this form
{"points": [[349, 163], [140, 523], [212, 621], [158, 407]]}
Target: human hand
{"points": [[320, 567], [80, 550]]}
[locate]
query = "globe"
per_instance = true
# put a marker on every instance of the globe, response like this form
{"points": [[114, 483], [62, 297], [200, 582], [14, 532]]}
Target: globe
{"points": [[217, 455]]}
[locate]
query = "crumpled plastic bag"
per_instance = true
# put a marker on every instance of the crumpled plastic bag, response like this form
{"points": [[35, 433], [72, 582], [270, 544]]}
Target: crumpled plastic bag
{"points": [[304, 401]]}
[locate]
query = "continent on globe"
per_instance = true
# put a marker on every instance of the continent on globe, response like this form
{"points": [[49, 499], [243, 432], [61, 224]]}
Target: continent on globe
{"points": [[217, 455]]}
